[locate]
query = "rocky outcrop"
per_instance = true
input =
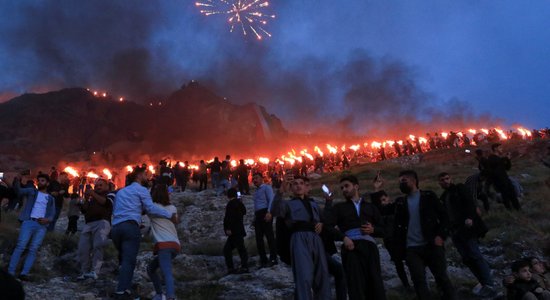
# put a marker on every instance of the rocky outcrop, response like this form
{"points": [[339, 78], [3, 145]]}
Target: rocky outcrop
{"points": [[74, 125]]}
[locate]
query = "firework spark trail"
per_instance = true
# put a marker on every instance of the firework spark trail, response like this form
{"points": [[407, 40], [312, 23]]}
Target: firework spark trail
{"points": [[248, 14]]}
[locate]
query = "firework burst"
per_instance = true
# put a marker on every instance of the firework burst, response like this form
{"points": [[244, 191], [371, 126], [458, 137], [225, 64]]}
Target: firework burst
{"points": [[245, 15]]}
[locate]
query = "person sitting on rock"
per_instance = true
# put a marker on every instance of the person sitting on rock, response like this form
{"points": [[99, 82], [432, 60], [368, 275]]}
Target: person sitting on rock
{"points": [[522, 285], [166, 244], [97, 207], [233, 227], [540, 272], [37, 213]]}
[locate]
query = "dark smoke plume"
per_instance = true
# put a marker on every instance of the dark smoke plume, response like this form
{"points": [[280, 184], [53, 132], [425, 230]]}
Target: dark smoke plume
{"points": [[110, 45]]}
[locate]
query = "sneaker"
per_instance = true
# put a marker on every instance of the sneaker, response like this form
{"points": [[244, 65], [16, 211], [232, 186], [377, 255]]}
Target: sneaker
{"points": [[159, 297], [477, 289], [80, 277], [92, 275], [126, 295], [24, 277], [231, 271], [243, 271], [487, 292]]}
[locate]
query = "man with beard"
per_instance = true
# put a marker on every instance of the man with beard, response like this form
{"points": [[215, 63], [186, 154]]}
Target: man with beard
{"points": [[309, 264], [466, 227], [358, 223], [126, 235], [421, 227], [58, 188], [97, 209], [38, 211]]}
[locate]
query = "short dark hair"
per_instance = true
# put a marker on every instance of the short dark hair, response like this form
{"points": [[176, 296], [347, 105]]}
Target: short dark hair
{"points": [[232, 193], [63, 173], [258, 174], [376, 197], [479, 152], [350, 178], [495, 145], [410, 173], [443, 174], [520, 264], [137, 170], [160, 194], [305, 179], [45, 176]]}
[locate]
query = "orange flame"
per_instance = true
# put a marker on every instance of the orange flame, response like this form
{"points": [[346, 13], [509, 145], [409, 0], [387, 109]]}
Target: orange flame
{"points": [[71, 171], [376, 145], [263, 160], [92, 175], [472, 131], [108, 173], [152, 169], [129, 168], [355, 147]]}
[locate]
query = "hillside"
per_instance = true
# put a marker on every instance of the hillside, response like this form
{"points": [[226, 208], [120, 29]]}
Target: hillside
{"points": [[200, 270], [74, 124]]}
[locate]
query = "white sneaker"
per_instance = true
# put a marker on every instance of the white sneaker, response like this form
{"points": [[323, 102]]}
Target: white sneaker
{"points": [[477, 289], [92, 275], [159, 297], [81, 277]]}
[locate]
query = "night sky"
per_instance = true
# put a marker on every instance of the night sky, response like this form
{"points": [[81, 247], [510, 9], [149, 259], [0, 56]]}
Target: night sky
{"points": [[355, 63]]}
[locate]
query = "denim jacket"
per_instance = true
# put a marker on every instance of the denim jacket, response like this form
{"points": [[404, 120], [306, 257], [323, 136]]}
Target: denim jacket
{"points": [[32, 194]]}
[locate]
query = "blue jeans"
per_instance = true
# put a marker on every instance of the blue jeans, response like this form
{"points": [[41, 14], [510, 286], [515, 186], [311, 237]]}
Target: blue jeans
{"points": [[126, 237], [473, 259], [30, 231], [223, 186], [164, 261], [215, 179]]}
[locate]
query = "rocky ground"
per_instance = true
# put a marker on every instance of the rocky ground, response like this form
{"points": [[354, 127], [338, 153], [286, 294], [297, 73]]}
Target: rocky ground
{"points": [[199, 270]]}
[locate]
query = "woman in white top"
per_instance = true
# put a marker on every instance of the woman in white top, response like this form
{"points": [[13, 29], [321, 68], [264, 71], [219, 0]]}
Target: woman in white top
{"points": [[166, 243]]}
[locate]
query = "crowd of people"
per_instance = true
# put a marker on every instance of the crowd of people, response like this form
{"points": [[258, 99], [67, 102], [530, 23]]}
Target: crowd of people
{"points": [[414, 227]]}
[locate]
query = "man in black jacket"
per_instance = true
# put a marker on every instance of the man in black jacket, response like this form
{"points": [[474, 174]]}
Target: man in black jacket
{"points": [[358, 223], [466, 227], [234, 229], [498, 165], [421, 227]]}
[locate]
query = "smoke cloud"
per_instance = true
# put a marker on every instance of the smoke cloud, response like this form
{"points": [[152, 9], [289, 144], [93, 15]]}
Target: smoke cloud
{"points": [[115, 45]]}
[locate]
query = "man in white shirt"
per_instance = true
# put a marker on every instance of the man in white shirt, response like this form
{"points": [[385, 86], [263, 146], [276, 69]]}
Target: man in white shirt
{"points": [[37, 213]]}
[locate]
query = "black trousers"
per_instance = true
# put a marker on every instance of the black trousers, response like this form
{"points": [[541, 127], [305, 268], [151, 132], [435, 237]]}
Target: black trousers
{"points": [[244, 187], [337, 271], [235, 241], [72, 226], [203, 180], [506, 189], [263, 228], [433, 257], [363, 272]]}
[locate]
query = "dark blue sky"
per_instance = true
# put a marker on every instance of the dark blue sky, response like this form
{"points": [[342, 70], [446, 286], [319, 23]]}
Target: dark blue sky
{"points": [[417, 60]]}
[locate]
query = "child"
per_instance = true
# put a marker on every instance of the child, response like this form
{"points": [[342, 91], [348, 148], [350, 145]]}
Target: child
{"points": [[540, 274], [73, 214], [166, 244], [523, 286]]}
